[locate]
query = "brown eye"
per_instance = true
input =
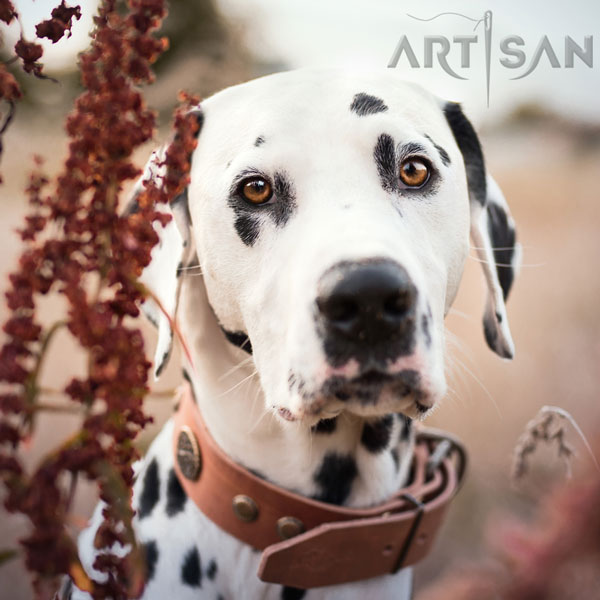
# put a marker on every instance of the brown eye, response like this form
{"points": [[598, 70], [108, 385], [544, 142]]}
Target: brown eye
{"points": [[414, 172], [257, 190]]}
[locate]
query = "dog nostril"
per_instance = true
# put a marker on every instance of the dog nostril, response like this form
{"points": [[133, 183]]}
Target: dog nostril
{"points": [[398, 304], [339, 311], [344, 310]]}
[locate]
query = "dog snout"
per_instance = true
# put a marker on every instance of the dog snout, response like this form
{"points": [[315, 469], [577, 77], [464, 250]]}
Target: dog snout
{"points": [[367, 303]]}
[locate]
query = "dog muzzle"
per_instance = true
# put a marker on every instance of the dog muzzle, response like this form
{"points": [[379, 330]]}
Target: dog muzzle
{"points": [[306, 543]]}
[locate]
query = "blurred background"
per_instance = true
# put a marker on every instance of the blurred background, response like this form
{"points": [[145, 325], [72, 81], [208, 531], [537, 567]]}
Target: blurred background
{"points": [[541, 137]]}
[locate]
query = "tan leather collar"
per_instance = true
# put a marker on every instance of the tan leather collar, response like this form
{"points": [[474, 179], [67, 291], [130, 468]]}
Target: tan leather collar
{"points": [[307, 543]]}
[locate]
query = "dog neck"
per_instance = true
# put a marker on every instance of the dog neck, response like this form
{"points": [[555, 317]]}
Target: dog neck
{"points": [[348, 460]]}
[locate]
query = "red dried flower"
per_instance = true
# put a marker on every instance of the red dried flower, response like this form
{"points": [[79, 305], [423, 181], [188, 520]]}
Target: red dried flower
{"points": [[29, 53], [7, 11], [59, 24]]}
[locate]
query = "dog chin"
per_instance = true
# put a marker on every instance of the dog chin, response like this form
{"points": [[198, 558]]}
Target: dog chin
{"points": [[370, 394], [416, 406], [377, 393]]}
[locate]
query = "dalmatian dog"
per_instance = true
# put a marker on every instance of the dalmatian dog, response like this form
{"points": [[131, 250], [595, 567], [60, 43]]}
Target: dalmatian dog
{"points": [[311, 262]]}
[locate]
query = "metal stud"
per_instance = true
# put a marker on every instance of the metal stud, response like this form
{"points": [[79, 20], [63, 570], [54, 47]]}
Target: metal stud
{"points": [[244, 508], [189, 458], [288, 527]]}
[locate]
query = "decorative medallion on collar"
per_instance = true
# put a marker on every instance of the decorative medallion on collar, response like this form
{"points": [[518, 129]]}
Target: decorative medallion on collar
{"points": [[188, 454], [305, 542]]}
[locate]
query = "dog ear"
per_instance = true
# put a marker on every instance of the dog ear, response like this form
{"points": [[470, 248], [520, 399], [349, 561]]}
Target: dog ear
{"points": [[169, 257], [492, 231]]}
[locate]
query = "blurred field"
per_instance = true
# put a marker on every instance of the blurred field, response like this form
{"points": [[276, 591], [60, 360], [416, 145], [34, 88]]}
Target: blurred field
{"points": [[549, 173]]}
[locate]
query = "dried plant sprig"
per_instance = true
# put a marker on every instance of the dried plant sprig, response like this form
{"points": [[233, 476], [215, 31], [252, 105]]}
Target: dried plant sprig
{"points": [[547, 427], [30, 53], [59, 24], [78, 245], [555, 555]]}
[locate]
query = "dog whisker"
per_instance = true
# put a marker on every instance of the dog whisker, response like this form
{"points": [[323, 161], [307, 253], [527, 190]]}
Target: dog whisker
{"points": [[454, 396], [496, 247], [253, 408], [481, 385], [265, 414], [461, 314], [457, 344], [530, 266], [238, 384], [235, 368], [454, 370]]}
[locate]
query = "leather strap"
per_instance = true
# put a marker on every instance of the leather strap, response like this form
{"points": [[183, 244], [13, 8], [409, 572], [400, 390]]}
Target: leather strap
{"points": [[339, 544]]}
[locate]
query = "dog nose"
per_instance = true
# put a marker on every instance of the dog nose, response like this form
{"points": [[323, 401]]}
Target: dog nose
{"points": [[366, 302]]}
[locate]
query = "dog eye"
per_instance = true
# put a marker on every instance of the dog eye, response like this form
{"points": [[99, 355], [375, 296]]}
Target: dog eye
{"points": [[256, 190], [414, 172]]}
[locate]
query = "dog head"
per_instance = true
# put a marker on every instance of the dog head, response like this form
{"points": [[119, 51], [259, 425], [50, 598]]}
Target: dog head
{"points": [[330, 216]]}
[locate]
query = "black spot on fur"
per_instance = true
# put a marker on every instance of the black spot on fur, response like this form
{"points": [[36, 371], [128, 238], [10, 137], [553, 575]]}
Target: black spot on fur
{"points": [[152, 320], [150, 490], [176, 496], [248, 228], [260, 140], [191, 572], [199, 114], [211, 571], [395, 457], [285, 202], [503, 238], [150, 553], [491, 335], [445, 158], [239, 339], [410, 149], [335, 477], [291, 380], [425, 328], [385, 161], [182, 202], [468, 143], [406, 423], [292, 593], [165, 356], [325, 426], [376, 434], [187, 377], [365, 104]]}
